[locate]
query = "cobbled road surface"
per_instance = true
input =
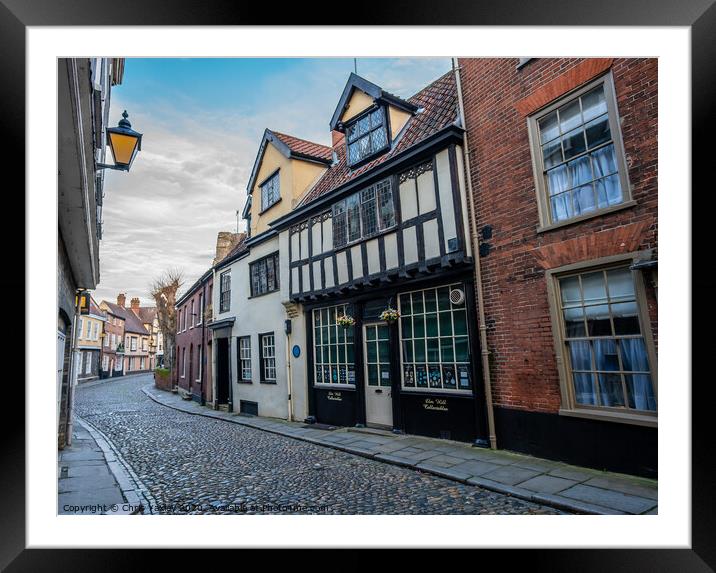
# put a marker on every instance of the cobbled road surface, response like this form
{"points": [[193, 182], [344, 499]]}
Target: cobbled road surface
{"points": [[194, 464]]}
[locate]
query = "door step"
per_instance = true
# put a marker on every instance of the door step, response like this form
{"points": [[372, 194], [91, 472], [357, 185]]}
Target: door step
{"points": [[223, 407], [374, 431]]}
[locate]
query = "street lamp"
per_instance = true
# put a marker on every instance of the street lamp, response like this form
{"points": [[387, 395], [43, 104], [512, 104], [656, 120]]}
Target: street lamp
{"points": [[124, 143]]}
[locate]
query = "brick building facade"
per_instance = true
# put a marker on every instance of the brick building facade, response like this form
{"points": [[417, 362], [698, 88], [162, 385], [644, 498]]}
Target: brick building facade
{"points": [[193, 340], [563, 169]]}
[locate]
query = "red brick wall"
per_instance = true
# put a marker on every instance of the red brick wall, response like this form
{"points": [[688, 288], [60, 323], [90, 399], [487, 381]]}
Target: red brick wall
{"points": [[497, 96], [192, 339]]}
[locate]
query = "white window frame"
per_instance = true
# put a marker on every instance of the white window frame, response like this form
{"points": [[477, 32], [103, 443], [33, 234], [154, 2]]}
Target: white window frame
{"points": [[201, 308], [183, 363], [267, 345], [225, 277], [245, 369], [543, 206], [200, 356], [455, 363], [342, 309]]}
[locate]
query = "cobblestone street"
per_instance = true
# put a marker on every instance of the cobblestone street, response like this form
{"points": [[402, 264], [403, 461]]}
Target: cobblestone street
{"points": [[193, 464]]}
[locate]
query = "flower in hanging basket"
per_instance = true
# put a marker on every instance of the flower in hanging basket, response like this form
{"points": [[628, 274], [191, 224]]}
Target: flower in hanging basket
{"points": [[389, 315], [346, 320]]}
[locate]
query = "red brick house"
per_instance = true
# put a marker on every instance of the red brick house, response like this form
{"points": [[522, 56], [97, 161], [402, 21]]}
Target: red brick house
{"points": [[563, 174], [113, 338], [192, 340]]}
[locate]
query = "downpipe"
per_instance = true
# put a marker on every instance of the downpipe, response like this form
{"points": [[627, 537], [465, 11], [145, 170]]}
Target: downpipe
{"points": [[478, 272]]}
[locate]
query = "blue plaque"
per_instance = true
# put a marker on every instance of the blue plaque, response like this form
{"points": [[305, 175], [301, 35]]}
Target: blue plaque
{"points": [[296, 351]]}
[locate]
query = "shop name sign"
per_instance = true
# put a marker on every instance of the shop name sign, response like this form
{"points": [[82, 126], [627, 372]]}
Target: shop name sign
{"points": [[439, 404], [337, 396]]}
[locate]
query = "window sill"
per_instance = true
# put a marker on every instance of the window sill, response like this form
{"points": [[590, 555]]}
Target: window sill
{"points": [[269, 207], [606, 416], [437, 392], [262, 294], [271, 382], [582, 218], [244, 382]]}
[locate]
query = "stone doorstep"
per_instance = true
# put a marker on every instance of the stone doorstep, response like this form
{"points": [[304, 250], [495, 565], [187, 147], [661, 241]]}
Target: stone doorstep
{"points": [[452, 460]]}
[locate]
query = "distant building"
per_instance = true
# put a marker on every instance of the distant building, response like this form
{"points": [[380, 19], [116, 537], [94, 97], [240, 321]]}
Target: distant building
{"points": [[83, 89], [148, 316], [113, 343], [89, 343], [133, 352]]}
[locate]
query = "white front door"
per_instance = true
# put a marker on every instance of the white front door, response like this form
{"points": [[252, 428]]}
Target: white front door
{"points": [[378, 400]]}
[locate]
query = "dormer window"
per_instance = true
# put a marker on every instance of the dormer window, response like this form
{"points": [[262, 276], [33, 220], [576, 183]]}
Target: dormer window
{"points": [[270, 191], [366, 136]]}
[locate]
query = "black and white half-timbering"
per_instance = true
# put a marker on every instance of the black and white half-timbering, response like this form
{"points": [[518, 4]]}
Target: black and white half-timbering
{"points": [[389, 233]]}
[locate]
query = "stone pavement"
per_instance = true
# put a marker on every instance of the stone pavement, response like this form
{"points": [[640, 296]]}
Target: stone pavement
{"points": [[91, 478], [570, 488]]}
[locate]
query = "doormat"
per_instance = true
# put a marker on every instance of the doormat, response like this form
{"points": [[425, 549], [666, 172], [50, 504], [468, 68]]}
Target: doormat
{"points": [[320, 427]]}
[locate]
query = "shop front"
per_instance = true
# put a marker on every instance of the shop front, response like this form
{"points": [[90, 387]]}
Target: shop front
{"points": [[414, 373]]}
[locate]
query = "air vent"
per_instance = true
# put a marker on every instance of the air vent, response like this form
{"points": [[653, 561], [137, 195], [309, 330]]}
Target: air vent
{"points": [[457, 296]]}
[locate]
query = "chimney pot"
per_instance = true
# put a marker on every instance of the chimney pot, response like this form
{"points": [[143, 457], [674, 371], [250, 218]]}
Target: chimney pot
{"points": [[121, 298], [135, 303]]}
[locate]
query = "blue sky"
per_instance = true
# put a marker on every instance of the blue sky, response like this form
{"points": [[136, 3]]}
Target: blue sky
{"points": [[202, 121]]}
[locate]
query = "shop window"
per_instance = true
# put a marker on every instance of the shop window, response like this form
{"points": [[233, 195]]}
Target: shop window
{"points": [[434, 341], [334, 360]]}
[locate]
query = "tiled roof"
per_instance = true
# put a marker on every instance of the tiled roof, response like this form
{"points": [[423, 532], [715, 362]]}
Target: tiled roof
{"points": [[303, 147], [438, 104], [147, 314], [94, 309], [132, 323]]}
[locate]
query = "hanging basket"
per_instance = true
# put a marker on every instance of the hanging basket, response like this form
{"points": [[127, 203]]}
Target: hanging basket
{"points": [[389, 315], [345, 320]]}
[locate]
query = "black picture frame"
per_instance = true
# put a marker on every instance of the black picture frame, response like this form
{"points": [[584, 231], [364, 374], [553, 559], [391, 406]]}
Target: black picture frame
{"points": [[699, 15]]}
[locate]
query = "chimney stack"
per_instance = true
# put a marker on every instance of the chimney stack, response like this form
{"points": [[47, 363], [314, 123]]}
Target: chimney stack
{"points": [[121, 299], [225, 242], [135, 303]]}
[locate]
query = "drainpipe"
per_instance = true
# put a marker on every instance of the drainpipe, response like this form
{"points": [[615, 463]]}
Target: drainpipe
{"points": [[289, 375], [478, 273]]}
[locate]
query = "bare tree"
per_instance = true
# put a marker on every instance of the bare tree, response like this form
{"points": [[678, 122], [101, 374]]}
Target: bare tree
{"points": [[164, 292]]}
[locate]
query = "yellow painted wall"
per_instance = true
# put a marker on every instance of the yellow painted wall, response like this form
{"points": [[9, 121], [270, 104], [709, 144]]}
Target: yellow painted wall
{"points": [[84, 340], [358, 102], [398, 119], [295, 176]]}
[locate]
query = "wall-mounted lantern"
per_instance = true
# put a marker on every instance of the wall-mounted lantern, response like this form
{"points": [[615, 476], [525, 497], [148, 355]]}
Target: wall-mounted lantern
{"points": [[124, 142]]}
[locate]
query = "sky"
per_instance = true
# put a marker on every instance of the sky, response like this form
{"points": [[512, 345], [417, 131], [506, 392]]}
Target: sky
{"points": [[202, 121]]}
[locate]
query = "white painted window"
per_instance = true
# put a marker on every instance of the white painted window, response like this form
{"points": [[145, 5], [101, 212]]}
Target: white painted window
{"points": [[88, 362], [191, 318], [199, 365], [333, 347], [183, 364], [201, 308], [245, 358], [268, 357]]}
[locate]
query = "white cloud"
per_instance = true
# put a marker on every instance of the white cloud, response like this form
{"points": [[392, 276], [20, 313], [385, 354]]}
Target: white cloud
{"points": [[190, 177]]}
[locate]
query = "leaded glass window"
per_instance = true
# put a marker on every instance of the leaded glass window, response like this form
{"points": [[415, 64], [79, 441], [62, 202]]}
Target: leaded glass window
{"points": [[363, 214], [606, 349], [270, 191], [366, 136], [333, 358], [579, 156], [434, 341], [264, 275]]}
